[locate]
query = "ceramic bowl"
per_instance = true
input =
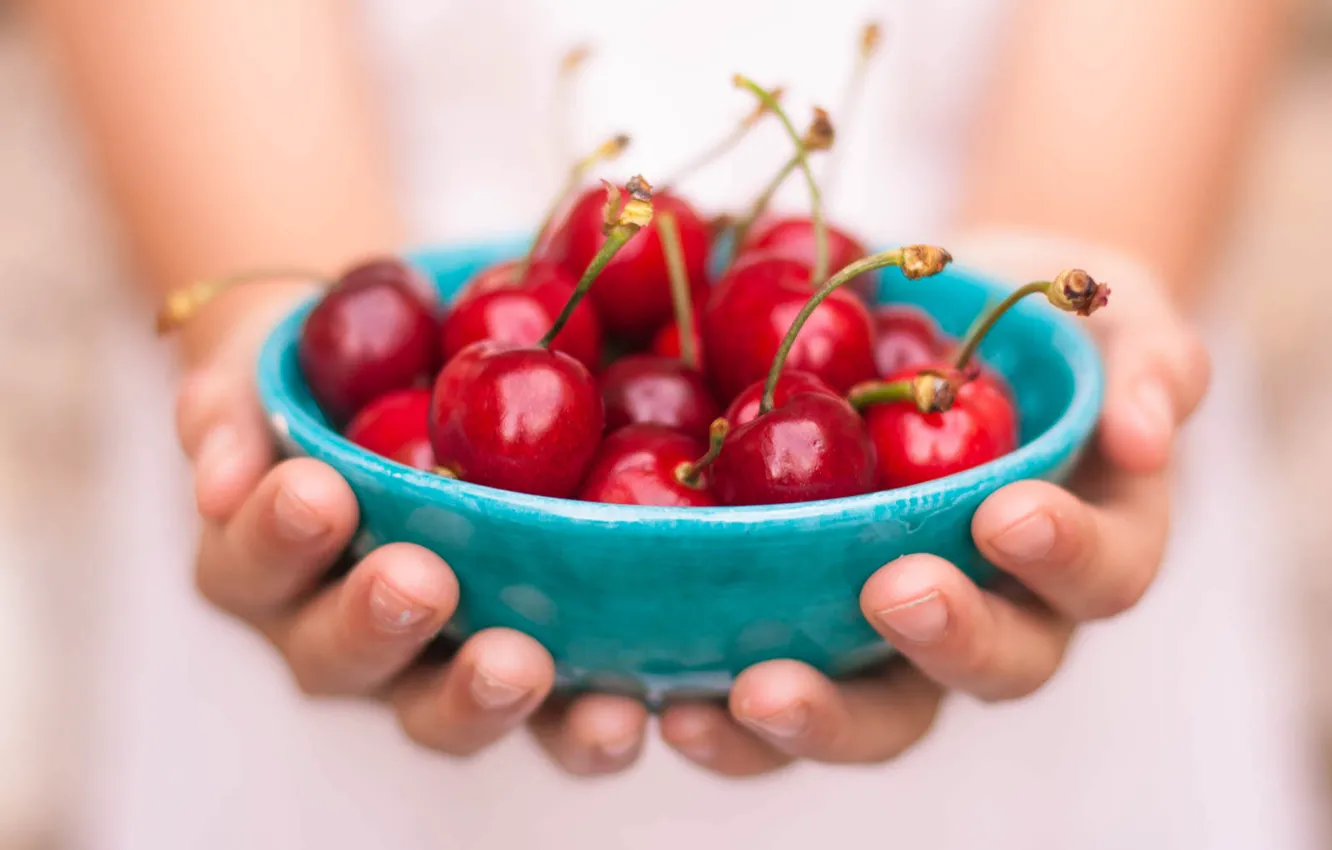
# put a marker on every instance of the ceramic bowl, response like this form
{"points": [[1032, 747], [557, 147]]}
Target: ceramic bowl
{"points": [[664, 603]]}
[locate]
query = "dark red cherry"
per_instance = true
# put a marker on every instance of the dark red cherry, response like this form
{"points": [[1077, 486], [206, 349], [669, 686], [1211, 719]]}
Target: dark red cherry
{"points": [[813, 447], [659, 390], [745, 407], [396, 426], [633, 294], [914, 447], [497, 305], [754, 306], [370, 334], [645, 464], [521, 419], [792, 238], [906, 337]]}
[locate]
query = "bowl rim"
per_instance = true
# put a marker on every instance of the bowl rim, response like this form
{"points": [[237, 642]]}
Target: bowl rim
{"points": [[293, 423]]}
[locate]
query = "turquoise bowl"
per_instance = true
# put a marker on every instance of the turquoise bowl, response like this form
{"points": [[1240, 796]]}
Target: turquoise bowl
{"points": [[670, 603]]}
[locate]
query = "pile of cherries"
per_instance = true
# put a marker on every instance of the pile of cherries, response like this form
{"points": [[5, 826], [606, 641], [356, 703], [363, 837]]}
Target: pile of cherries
{"points": [[777, 382]]}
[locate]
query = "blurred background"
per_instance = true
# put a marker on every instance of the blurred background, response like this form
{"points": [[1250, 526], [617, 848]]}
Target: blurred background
{"points": [[61, 272]]}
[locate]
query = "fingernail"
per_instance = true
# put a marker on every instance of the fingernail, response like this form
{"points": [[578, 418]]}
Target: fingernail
{"points": [[393, 610], [922, 620], [1029, 539], [699, 749], [1153, 412], [790, 722], [493, 693], [217, 451], [297, 521], [616, 750]]}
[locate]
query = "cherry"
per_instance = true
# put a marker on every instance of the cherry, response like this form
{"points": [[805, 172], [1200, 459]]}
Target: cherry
{"points": [[754, 306], [498, 305], [792, 238], [812, 447], [667, 341], [916, 442], [940, 419], [904, 337], [646, 464], [745, 407], [633, 295], [396, 426], [659, 390], [370, 334], [529, 419]]}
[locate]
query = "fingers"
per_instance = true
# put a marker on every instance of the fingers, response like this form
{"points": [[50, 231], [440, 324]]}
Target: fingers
{"points": [[1157, 376], [495, 682], [358, 634], [960, 636], [223, 431], [1086, 561], [594, 734], [279, 542], [711, 738]]}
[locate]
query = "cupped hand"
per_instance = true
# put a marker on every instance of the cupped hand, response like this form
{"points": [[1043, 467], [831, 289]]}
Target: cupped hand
{"points": [[271, 533], [1072, 555]]}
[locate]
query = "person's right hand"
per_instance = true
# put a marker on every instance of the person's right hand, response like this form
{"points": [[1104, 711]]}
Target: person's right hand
{"points": [[270, 534]]}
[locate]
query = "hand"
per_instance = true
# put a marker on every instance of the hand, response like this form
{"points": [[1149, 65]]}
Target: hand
{"points": [[1074, 556], [272, 532]]}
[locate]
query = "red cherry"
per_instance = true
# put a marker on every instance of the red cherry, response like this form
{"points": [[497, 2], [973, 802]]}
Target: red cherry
{"points": [[745, 407], [521, 419], [658, 390], [813, 447], [643, 464], [372, 333], [496, 305], [633, 293], [396, 426], [906, 337], [667, 341], [754, 306], [792, 238], [913, 447]]}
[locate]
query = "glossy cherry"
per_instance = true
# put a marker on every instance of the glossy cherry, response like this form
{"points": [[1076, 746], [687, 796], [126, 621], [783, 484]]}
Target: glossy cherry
{"points": [[645, 464], [645, 388], [521, 419], [753, 307], [666, 343], [744, 407], [912, 446], [792, 238], [810, 448], [370, 334], [396, 426], [905, 337], [499, 305], [633, 295]]}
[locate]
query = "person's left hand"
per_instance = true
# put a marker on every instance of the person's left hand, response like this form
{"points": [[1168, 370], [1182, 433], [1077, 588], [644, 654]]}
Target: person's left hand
{"points": [[1075, 555]]}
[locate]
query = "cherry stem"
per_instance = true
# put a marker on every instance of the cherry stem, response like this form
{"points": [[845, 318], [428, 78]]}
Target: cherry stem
{"points": [[605, 151], [815, 200], [722, 146], [689, 474], [852, 97], [859, 267], [741, 230], [622, 222], [983, 325], [570, 64], [684, 307], [180, 306], [880, 392]]}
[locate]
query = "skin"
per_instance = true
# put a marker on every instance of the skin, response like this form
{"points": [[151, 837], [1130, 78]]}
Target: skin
{"points": [[1185, 78]]}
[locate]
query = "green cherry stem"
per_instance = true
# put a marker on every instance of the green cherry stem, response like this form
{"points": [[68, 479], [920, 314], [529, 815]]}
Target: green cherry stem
{"points": [[987, 321], [916, 261], [181, 305], [815, 199], [863, 395], [622, 222], [741, 230], [689, 474], [684, 307], [1072, 290], [722, 146]]}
